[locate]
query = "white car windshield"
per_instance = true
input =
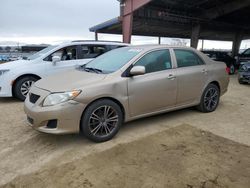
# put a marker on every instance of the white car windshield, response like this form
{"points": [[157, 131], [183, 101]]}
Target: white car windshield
{"points": [[42, 52], [112, 61]]}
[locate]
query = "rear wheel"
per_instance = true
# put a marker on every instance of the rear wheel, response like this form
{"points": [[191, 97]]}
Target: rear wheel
{"points": [[210, 99], [102, 120], [22, 87]]}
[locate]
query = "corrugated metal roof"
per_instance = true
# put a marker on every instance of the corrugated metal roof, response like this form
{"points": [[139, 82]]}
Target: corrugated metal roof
{"points": [[105, 24]]}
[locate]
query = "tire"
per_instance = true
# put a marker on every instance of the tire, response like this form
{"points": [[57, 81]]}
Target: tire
{"points": [[22, 87], [241, 82], [232, 69], [95, 126], [208, 103]]}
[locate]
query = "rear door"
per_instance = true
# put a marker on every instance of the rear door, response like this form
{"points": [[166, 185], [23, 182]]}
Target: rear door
{"points": [[90, 51], [191, 76]]}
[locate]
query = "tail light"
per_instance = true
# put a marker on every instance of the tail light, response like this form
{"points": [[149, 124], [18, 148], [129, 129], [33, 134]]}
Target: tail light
{"points": [[227, 70]]}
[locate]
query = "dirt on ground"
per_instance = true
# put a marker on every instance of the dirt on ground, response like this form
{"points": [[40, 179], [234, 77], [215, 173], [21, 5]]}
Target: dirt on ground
{"points": [[26, 153], [179, 157]]}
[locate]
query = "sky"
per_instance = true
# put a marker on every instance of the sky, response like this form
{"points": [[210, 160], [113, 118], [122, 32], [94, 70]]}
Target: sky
{"points": [[55, 21]]}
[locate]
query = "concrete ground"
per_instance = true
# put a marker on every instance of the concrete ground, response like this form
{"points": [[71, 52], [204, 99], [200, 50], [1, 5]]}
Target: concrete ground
{"points": [[25, 151]]}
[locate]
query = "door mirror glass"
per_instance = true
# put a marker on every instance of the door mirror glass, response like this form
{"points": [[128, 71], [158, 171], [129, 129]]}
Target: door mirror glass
{"points": [[137, 70], [55, 59]]}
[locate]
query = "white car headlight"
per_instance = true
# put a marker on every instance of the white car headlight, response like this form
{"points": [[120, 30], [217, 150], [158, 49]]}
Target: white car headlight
{"points": [[57, 98], [3, 71]]}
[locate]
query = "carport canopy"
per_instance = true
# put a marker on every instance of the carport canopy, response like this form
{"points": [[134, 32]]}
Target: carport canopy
{"points": [[225, 20]]}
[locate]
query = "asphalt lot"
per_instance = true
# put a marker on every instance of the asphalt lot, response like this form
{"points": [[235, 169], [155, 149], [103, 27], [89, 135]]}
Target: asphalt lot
{"points": [[24, 151]]}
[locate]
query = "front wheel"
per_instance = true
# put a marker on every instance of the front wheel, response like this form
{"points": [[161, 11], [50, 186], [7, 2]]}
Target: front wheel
{"points": [[22, 87], [240, 81], [210, 99], [102, 120]]}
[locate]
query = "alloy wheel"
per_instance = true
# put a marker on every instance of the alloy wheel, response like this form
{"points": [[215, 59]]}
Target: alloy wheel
{"points": [[103, 121], [25, 87], [211, 99]]}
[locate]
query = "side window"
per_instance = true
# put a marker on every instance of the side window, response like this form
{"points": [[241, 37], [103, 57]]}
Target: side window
{"points": [[155, 61], [65, 54], [91, 51], [186, 58]]}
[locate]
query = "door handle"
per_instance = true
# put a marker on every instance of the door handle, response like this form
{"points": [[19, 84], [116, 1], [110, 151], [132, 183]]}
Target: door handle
{"points": [[171, 77], [204, 71]]}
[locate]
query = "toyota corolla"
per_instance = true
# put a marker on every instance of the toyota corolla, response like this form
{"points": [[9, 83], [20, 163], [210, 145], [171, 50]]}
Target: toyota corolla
{"points": [[123, 85]]}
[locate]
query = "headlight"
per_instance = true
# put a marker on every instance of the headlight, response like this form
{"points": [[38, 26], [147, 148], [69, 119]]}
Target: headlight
{"points": [[57, 98], [3, 71]]}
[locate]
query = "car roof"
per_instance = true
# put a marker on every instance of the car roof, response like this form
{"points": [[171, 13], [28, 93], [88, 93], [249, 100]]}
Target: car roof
{"points": [[154, 46], [90, 42]]}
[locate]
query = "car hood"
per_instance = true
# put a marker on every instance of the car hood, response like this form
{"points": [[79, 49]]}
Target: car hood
{"points": [[68, 81], [14, 64]]}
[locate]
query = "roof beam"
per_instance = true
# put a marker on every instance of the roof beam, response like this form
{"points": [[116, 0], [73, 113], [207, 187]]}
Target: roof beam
{"points": [[130, 6], [221, 10]]}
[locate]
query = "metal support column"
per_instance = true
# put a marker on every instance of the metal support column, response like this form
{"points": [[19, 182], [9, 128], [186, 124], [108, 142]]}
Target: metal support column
{"points": [[159, 40], [96, 36], [127, 27], [195, 35], [236, 44], [127, 9]]}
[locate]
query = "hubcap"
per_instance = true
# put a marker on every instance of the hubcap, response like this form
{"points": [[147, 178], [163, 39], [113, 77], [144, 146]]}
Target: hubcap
{"points": [[103, 121], [211, 99], [25, 87]]}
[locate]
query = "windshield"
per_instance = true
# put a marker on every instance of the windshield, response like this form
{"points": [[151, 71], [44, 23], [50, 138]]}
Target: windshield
{"points": [[40, 53], [112, 61], [246, 52]]}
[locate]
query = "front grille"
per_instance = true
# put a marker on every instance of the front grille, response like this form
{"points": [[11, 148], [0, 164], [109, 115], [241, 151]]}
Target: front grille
{"points": [[52, 124], [34, 98]]}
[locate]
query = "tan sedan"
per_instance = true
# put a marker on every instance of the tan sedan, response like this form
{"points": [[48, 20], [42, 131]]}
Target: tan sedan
{"points": [[123, 85]]}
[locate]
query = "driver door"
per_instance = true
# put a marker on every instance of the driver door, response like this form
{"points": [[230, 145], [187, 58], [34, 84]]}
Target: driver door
{"points": [[156, 89], [69, 60]]}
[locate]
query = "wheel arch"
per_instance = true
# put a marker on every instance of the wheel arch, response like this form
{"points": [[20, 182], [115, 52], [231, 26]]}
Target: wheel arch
{"points": [[103, 98], [20, 77], [206, 85], [217, 84]]}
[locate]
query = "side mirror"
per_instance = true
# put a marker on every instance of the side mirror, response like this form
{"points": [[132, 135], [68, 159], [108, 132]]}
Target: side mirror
{"points": [[55, 59], [137, 70]]}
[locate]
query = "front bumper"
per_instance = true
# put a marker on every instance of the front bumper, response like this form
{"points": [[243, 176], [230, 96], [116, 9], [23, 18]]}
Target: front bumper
{"points": [[67, 115], [5, 87]]}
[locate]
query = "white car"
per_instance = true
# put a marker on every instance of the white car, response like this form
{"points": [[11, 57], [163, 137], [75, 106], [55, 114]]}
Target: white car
{"points": [[17, 77]]}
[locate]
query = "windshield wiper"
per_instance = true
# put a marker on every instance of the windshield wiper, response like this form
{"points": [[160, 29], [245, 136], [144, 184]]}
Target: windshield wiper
{"points": [[90, 69]]}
